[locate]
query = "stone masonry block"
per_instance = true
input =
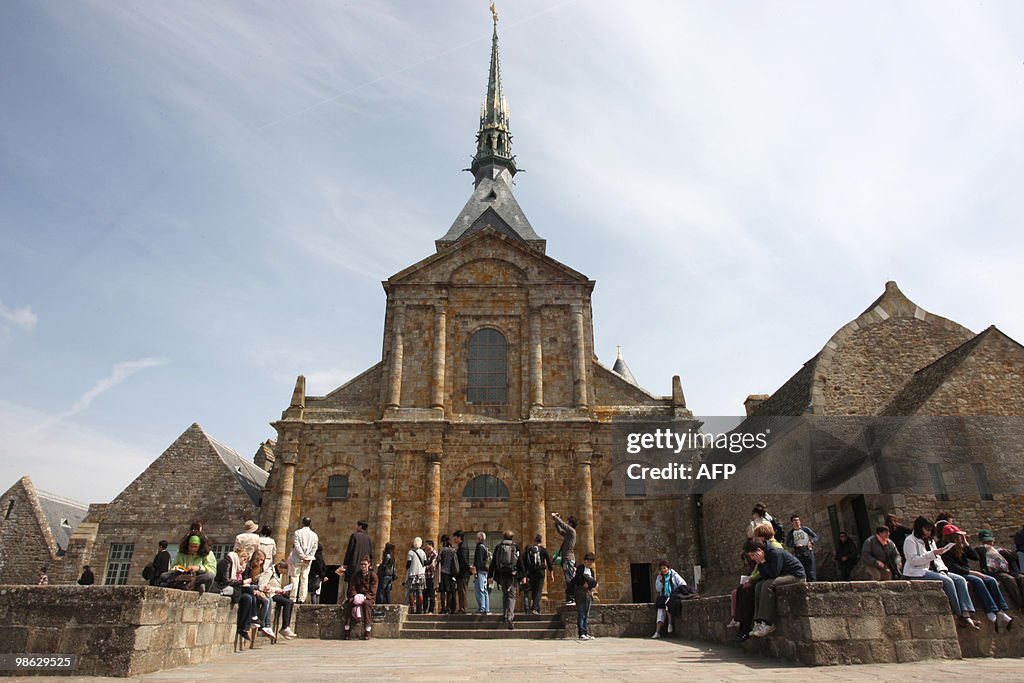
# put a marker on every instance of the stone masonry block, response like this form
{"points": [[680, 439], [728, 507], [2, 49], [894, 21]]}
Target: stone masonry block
{"points": [[823, 629], [865, 628]]}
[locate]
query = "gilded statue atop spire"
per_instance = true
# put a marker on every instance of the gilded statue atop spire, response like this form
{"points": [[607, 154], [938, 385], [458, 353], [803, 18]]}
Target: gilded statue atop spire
{"points": [[494, 12]]}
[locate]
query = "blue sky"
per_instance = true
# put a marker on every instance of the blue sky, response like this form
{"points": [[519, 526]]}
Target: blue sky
{"points": [[198, 200]]}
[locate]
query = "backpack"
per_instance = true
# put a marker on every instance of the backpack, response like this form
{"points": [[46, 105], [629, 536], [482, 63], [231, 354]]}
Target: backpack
{"points": [[534, 562], [780, 533], [506, 557], [149, 572]]}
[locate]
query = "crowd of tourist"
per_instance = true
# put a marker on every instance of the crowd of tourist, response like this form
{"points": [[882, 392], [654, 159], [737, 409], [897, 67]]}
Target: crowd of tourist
{"points": [[985, 575]]}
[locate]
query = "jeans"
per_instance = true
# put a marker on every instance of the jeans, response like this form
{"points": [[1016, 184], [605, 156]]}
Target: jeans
{"points": [[986, 591], [483, 597], [955, 587], [263, 606], [583, 600], [810, 564], [569, 570], [244, 609]]}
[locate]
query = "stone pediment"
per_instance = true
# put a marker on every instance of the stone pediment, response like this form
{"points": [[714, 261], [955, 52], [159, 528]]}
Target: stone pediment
{"points": [[488, 256]]}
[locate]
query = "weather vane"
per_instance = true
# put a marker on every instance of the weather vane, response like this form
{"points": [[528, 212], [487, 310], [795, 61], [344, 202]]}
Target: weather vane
{"points": [[494, 12]]}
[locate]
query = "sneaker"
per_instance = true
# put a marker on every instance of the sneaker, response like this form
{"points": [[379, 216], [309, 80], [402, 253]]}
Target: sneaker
{"points": [[967, 622], [657, 634], [1005, 621], [670, 627], [586, 636], [268, 632], [742, 637], [244, 635], [570, 602], [733, 624], [255, 618], [288, 632], [768, 628], [761, 630]]}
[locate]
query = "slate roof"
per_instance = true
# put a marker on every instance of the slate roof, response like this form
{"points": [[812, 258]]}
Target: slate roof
{"points": [[492, 199], [622, 369], [63, 516], [793, 397], [251, 478]]}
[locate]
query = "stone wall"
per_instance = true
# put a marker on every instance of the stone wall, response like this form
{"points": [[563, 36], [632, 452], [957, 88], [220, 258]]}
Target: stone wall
{"points": [[26, 543], [326, 622], [855, 623], [116, 630], [612, 620]]}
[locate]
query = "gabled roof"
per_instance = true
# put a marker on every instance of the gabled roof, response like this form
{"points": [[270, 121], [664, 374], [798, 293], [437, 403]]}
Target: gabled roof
{"points": [[488, 233], [63, 516], [926, 381], [492, 202]]}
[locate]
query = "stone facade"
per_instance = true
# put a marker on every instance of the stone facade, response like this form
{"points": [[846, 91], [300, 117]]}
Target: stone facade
{"points": [[944, 402], [34, 531], [197, 477]]}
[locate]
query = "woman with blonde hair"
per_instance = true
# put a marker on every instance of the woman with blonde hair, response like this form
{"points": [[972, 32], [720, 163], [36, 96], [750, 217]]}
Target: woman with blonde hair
{"points": [[415, 575], [263, 604]]}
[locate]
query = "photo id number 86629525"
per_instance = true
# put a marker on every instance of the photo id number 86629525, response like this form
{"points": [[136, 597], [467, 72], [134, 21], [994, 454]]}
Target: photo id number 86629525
{"points": [[37, 662]]}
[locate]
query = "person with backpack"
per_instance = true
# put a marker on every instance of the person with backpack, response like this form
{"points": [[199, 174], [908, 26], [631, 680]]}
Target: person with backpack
{"points": [[759, 515], [448, 564], [481, 566], [415, 576], [508, 570], [535, 561], [386, 574]]}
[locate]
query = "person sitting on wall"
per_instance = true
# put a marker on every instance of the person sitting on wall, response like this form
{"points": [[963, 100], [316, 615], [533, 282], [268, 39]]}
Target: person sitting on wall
{"points": [[232, 582], [263, 603], [270, 585], [1001, 564], [924, 563], [777, 568], [880, 560], [665, 583], [985, 587], [87, 578], [846, 556], [743, 596], [197, 560], [363, 583]]}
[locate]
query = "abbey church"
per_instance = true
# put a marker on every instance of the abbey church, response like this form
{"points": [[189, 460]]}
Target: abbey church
{"points": [[489, 410]]}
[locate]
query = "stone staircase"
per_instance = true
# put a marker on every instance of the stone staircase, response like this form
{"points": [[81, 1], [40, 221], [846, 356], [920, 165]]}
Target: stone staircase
{"points": [[490, 627]]}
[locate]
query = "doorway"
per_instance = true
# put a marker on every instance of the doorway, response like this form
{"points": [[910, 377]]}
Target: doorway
{"points": [[329, 586], [640, 581]]}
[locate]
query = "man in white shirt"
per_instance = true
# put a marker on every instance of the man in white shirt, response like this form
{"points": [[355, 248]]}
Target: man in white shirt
{"points": [[301, 559]]}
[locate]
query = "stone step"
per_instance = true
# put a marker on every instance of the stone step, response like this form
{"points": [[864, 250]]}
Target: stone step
{"points": [[491, 623], [482, 618], [486, 634]]}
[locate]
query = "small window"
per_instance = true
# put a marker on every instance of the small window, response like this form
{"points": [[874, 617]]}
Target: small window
{"points": [[10, 506], [485, 486], [487, 373], [938, 483], [981, 477], [337, 487], [636, 487], [119, 563], [64, 522], [221, 550]]}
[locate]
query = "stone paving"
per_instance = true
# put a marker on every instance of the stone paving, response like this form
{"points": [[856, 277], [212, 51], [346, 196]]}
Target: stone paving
{"points": [[604, 659]]}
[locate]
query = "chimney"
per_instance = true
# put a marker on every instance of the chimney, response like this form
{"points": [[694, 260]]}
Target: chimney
{"points": [[754, 401]]}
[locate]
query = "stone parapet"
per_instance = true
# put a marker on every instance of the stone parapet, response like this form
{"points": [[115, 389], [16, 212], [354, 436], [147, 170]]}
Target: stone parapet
{"points": [[116, 630], [326, 622]]}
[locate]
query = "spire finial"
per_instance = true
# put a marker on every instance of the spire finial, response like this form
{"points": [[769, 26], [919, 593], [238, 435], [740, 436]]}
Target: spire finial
{"points": [[493, 139]]}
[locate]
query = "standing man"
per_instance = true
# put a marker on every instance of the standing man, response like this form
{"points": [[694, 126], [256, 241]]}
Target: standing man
{"points": [[359, 545], [301, 559], [481, 566], [567, 529], [801, 540], [465, 573], [536, 560], [249, 539], [507, 569], [364, 583], [161, 563], [585, 582]]}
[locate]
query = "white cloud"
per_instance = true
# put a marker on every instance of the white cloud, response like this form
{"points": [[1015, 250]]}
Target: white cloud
{"points": [[65, 458], [22, 317], [120, 373]]}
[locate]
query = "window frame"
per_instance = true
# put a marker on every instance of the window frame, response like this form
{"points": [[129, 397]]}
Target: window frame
{"points": [[487, 368]]}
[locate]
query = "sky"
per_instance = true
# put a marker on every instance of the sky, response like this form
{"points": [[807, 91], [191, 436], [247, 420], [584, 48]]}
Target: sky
{"points": [[199, 200]]}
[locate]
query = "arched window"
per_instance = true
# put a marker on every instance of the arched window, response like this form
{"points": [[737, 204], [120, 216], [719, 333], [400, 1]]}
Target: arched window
{"points": [[487, 378], [486, 486], [337, 487]]}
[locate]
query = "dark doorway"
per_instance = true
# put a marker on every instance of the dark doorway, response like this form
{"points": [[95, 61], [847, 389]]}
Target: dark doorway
{"points": [[861, 518], [640, 578], [329, 588]]}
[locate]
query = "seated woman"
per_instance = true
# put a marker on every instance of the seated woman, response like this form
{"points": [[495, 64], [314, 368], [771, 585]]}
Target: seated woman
{"points": [[743, 596], [231, 575], [263, 604], [986, 588], [668, 580], [924, 563], [197, 560], [270, 585]]}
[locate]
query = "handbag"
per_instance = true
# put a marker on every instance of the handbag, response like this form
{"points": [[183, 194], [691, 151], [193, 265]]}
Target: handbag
{"points": [[184, 581], [660, 602]]}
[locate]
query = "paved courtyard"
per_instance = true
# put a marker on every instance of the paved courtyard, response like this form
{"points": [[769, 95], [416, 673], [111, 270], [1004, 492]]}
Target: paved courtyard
{"points": [[605, 659]]}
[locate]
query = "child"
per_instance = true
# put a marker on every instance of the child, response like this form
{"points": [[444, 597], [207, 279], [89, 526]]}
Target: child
{"points": [[584, 584]]}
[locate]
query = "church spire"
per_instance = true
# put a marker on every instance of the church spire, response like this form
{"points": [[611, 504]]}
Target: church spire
{"points": [[493, 140]]}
